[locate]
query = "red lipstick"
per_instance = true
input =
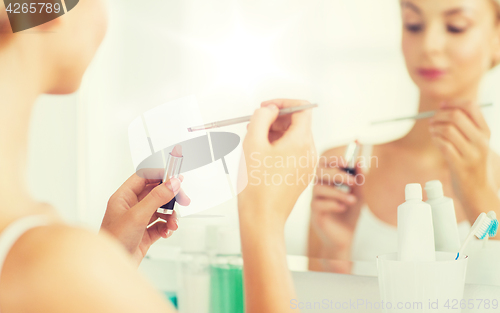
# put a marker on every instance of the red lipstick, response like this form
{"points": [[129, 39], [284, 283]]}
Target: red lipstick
{"points": [[431, 73]]}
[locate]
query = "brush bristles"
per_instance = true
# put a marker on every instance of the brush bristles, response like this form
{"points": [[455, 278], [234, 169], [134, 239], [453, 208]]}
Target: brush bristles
{"points": [[492, 232], [482, 230]]}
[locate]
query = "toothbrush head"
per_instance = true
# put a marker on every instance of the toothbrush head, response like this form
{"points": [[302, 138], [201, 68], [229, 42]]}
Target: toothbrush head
{"points": [[492, 231], [481, 226]]}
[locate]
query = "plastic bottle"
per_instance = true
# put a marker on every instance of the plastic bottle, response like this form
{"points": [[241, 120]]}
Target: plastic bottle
{"points": [[446, 236], [226, 274], [415, 229], [194, 282]]}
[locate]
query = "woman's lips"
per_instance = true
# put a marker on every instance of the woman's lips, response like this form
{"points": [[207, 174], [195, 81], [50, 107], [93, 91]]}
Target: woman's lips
{"points": [[431, 73]]}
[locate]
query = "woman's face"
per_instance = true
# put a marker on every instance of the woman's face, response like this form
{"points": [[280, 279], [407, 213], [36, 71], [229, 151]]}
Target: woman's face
{"points": [[449, 44], [75, 42]]}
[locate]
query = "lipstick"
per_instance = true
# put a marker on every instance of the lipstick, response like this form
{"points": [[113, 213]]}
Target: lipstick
{"points": [[431, 73], [172, 170], [350, 156]]}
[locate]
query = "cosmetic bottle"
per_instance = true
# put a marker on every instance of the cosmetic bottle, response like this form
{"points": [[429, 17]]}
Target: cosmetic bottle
{"points": [[194, 283], [226, 274], [446, 236], [415, 229]]}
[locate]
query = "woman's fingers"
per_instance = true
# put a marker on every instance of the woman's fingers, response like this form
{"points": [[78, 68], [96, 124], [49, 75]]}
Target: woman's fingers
{"points": [[447, 148], [172, 221], [261, 122], [472, 110], [451, 134], [158, 196], [163, 229], [461, 120], [159, 230], [290, 123], [147, 189], [319, 206], [182, 198], [282, 122], [328, 192]]}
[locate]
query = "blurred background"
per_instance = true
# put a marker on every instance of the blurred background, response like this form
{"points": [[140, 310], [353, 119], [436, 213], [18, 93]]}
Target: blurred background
{"points": [[232, 55]]}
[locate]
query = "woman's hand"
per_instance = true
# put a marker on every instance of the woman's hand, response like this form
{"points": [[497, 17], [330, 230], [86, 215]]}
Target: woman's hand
{"points": [[280, 156], [133, 207], [461, 133], [334, 212]]}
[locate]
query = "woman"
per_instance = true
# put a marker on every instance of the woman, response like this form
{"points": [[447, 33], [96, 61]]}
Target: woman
{"points": [[448, 45], [48, 266]]}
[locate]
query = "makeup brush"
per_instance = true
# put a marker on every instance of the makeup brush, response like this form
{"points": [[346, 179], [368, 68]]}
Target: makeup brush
{"points": [[419, 116], [244, 119]]}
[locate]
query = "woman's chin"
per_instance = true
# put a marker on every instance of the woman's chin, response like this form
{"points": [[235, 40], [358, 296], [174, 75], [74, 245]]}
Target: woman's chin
{"points": [[68, 87], [436, 90]]}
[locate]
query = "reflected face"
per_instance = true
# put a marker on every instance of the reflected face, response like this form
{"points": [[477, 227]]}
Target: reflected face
{"points": [[449, 44]]}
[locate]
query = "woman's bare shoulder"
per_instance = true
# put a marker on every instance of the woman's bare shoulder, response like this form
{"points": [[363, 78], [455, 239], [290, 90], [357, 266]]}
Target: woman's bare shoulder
{"points": [[59, 268]]}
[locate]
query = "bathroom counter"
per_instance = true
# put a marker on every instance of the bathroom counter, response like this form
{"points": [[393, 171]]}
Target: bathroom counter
{"points": [[331, 292], [316, 291]]}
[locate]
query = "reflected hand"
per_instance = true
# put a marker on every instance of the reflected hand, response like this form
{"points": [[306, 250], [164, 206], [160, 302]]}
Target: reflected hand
{"points": [[334, 213], [462, 135]]}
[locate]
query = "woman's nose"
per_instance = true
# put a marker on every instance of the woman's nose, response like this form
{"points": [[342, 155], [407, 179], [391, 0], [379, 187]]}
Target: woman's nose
{"points": [[434, 39]]}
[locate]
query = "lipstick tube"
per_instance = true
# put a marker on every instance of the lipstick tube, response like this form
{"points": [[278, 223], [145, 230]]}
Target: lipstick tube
{"points": [[351, 154], [172, 170]]}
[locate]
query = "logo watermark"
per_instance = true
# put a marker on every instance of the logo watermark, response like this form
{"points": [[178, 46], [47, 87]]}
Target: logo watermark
{"points": [[262, 170], [364, 304], [26, 14]]}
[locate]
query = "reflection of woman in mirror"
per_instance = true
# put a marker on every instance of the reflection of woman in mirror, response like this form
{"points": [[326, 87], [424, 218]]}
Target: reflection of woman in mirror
{"points": [[448, 45]]}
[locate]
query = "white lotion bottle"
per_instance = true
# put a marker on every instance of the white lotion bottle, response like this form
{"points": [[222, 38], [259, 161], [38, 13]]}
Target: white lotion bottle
{"points": [[415, 229], [446, 237]]}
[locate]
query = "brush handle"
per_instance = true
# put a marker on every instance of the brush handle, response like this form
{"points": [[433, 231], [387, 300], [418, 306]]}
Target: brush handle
{"points": [[485, 241], [244, 119], [419, 116], [469, 237]]}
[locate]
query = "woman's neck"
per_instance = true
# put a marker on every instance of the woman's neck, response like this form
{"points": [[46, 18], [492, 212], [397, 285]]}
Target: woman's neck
{"points": [[19, 88]]}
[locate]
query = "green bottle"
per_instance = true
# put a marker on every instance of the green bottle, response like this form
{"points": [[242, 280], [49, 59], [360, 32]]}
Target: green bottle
{"points": [[226, 274]]}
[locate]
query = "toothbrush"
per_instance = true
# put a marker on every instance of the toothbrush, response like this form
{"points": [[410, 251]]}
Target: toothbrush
{"points": [[492, 231], [479, 229]]}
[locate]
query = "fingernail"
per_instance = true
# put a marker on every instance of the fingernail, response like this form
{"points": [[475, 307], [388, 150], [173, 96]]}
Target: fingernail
{"points": [[169, 233], [177, 222], [351, 198], [174, 184], [272, 106]]}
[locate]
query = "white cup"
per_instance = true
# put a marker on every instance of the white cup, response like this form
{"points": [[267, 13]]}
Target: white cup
{"points": [[421, 286]]}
